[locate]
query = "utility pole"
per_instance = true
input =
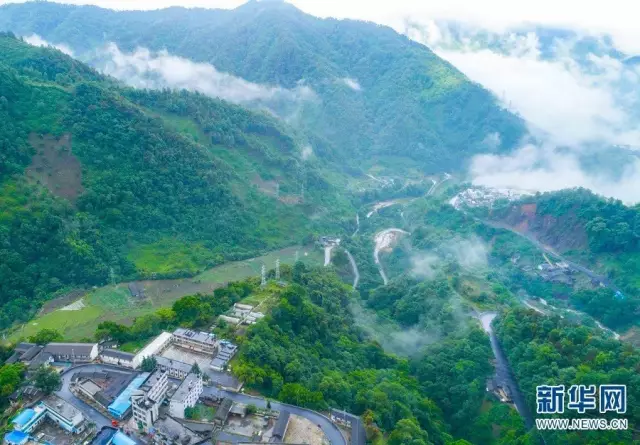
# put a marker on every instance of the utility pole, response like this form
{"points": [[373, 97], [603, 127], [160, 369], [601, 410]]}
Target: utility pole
{"points": [[263, 276], [297, 256], [278, 269]]}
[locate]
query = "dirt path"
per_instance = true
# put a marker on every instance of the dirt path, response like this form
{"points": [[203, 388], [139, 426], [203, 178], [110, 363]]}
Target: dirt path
{"points": [[354, 266], [383, 241]]}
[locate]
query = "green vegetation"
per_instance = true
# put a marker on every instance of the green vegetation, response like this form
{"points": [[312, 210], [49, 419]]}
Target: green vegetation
{"points": [[549, 350], [408, 103], [46, 379], [150, 202]]}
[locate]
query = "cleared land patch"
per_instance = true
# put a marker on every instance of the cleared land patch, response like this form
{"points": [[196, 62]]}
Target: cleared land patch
{"points": [[116, 304], [55, 167]]}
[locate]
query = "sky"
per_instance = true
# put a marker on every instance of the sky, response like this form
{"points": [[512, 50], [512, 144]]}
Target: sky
{"points": [[617, 17]]}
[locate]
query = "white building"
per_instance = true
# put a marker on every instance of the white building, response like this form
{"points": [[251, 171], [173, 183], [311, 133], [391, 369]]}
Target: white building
{"points": [[146, 401], [186, 396], [155, 347], [197, 341], [73, 352], [115, 357]]}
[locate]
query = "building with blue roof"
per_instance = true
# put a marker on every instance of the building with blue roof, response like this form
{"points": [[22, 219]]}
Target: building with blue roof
{"points": [[16, 438], [56, 409], [122, 404]]}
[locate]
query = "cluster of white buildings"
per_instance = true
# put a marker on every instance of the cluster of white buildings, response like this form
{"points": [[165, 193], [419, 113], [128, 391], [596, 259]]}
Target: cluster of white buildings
{"points": [[485, 197], [242, 314]]}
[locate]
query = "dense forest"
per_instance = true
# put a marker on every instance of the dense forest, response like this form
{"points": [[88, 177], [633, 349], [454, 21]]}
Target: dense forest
{"points": [[549, 350], [90, 173], [402, 98]]}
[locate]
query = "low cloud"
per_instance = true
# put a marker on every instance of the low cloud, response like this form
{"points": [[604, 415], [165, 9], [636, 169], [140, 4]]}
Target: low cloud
{"points": [[404, 342], [145, 69], [36, 40], [425, 265], [351, 83], [470, 253], [547, 169], [307, 152]]}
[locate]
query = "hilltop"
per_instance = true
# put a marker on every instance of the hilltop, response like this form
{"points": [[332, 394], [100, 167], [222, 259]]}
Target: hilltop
{"points": [[383, 99], [100, 182]]}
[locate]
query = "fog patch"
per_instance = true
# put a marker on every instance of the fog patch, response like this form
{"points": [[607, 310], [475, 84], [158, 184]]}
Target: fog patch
{"points": [[306, 153], [545, 169], [425, 265], [404, 342], [36, 40], [143, 68], [469, 253], [351, 83]]}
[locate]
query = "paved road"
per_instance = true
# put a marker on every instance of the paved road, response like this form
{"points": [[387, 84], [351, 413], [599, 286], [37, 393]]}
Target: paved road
{"points": [[330, 430], [65, 393]]}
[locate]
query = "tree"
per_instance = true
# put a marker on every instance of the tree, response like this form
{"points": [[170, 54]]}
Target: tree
{"points": [[268, 404], [196, 369], [252, 409], [46, 379], [149, 364], [44, 336]]}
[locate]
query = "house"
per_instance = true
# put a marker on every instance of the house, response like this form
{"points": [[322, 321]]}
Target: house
{"points": [[280, 428], [109, 435], [65, 415], [202, 342], [156, 346], [186, 396], [174, 368], [222, 413], [225, 353], [146, 400], [72, 352], [115, 357]]}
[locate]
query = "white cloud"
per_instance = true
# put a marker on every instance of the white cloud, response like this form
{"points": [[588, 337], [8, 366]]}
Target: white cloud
{"points": [[36, 40], [145, 69], [546, 169], [351, 83]]}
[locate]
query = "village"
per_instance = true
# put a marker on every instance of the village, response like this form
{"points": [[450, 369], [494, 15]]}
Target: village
{"points": [[176, 390]]}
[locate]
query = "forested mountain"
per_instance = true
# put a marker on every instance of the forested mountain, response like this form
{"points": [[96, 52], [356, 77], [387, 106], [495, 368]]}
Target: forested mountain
{"points": [[380, 94], [91, 174]]}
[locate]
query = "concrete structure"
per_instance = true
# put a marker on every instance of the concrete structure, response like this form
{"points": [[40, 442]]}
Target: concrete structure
{"points": [[280, 428], [186, 396], [115, 357], [146, 401], [358, 433], [109, 435], [225, 353], [155, 347], [202, 342], [175, 368], [65, 415], [222, 413], [72, 352]]}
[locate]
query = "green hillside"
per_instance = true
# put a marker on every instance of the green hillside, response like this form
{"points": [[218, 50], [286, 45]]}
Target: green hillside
{"points": [[403, 102], [99, 182]]}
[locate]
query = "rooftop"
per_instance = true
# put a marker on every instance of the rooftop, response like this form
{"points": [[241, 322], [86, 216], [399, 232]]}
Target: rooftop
{"points": [[70, 348], [30, 353], [61, 407], [120, 355], [185, 387], [24, 347], [280, 427], [152, 380], [175, 364], [197, 336]]}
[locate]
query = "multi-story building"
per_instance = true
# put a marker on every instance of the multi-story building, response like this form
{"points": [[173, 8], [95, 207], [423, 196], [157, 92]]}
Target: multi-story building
{"points": [[186, 396], [65, 415], [202, 342], [146, 401], [175, 368]]}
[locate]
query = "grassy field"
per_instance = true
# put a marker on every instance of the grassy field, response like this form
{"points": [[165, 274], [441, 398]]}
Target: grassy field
{"points": [[115, 303]]}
